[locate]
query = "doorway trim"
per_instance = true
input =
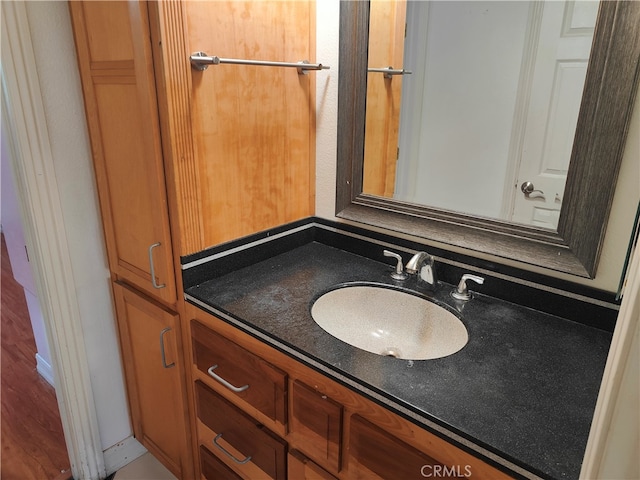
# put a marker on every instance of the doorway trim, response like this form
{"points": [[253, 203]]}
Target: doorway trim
{"points": [[37, 190]]}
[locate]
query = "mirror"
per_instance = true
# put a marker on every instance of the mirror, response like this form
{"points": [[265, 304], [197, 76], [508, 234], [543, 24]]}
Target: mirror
{"points": [[602, 124], [488, 95]]}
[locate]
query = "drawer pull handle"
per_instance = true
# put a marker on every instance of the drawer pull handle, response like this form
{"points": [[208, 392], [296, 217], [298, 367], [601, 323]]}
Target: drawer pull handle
{"points": [[233, 388], [152, 267], [162, 353], [226, 452]]}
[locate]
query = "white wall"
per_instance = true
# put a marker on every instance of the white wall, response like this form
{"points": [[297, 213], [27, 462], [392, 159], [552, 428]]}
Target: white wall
{"points": [[12, 229], [460, 133], [49, 29], [625, 200]]}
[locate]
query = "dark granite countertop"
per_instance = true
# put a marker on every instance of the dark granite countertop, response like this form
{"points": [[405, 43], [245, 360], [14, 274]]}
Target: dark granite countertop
{"points": [[521, 392]]}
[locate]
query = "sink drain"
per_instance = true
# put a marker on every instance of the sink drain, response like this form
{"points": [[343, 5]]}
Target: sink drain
{"points": [[391, 352]]}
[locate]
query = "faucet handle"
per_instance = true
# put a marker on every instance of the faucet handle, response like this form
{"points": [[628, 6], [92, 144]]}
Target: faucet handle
{"points": [[399, 273], [461, 292]]}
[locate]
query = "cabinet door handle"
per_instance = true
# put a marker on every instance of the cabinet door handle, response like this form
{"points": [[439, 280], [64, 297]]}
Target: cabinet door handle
{"points": [[229, 454], [233, 388], [152, 268], [162, 354]]}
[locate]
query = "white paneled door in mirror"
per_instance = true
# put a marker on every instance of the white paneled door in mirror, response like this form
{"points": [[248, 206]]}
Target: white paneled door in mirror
{"points": [[491, 103]]}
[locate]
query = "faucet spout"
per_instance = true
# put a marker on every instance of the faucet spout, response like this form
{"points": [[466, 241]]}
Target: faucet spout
{"points": [[423, 264], [414, 265]]}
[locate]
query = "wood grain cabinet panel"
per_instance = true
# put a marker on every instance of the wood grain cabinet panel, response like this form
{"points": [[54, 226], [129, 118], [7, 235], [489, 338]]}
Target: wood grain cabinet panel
{"points": [[316, 425], [301, 468], [113, 45], [238, 436], [213, 468], [261, 385], [375, 454], [246, 160], [148, 336]]}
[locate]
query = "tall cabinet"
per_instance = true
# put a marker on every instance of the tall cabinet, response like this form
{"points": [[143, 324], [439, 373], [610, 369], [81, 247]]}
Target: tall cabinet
{"points": [[186, 159], [113, 45]]}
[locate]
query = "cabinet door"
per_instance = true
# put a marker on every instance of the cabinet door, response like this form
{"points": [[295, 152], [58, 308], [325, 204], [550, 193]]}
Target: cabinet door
{"points": [[116, 69], [301, 468], [148, 341], [375, 454], [316, 425]]}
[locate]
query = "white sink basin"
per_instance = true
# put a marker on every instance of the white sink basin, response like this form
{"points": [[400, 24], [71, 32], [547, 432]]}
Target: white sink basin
{"points": [[389, 322]]}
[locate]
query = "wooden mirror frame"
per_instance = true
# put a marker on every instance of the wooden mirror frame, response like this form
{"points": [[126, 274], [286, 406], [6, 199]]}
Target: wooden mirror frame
{"points": [[605, 113]]}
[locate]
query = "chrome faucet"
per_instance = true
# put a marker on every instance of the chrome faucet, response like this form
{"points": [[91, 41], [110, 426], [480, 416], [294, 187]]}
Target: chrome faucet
{"points": [[423, 264]]}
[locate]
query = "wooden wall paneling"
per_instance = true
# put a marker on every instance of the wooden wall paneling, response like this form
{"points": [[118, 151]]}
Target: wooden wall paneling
{"points": [[173, 80], [252, 126]]}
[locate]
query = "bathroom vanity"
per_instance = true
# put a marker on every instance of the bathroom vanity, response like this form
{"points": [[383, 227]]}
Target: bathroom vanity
{"points": [[228, 374], [516, 400]]}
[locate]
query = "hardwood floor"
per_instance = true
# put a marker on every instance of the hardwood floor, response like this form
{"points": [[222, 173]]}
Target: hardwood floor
{"points": [[33, 445]]}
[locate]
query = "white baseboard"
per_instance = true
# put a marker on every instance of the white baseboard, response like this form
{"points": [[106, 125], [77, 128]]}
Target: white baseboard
{"points": [[122, 453], [116, 456], [45, 370]]}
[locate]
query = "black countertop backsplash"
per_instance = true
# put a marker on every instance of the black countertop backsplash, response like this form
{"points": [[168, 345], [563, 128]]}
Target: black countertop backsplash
{"points": [[521, 393]]}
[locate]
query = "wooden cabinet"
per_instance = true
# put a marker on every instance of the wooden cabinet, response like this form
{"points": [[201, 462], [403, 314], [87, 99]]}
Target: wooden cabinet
{"points": [[240, 373], [213, 468], [149, 336], [301, 468], [113, 46], [316, 423], [332, 432], [375, 454], [238, 438], [184, 160]]}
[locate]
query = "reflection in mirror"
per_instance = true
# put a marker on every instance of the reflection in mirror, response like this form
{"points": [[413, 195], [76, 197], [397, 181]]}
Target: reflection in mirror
{"points": [[600, 135], [484, 123]]}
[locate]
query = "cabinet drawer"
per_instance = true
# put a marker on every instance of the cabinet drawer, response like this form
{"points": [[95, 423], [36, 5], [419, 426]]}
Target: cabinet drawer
{"points": [[246, 375], [316, 425], [213, 469], [233, 428], [373, 453], [301, 468]]}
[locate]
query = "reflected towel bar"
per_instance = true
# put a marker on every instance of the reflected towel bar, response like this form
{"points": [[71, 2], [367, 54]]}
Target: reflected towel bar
{"points": [[389, 72], [201, 61]]}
